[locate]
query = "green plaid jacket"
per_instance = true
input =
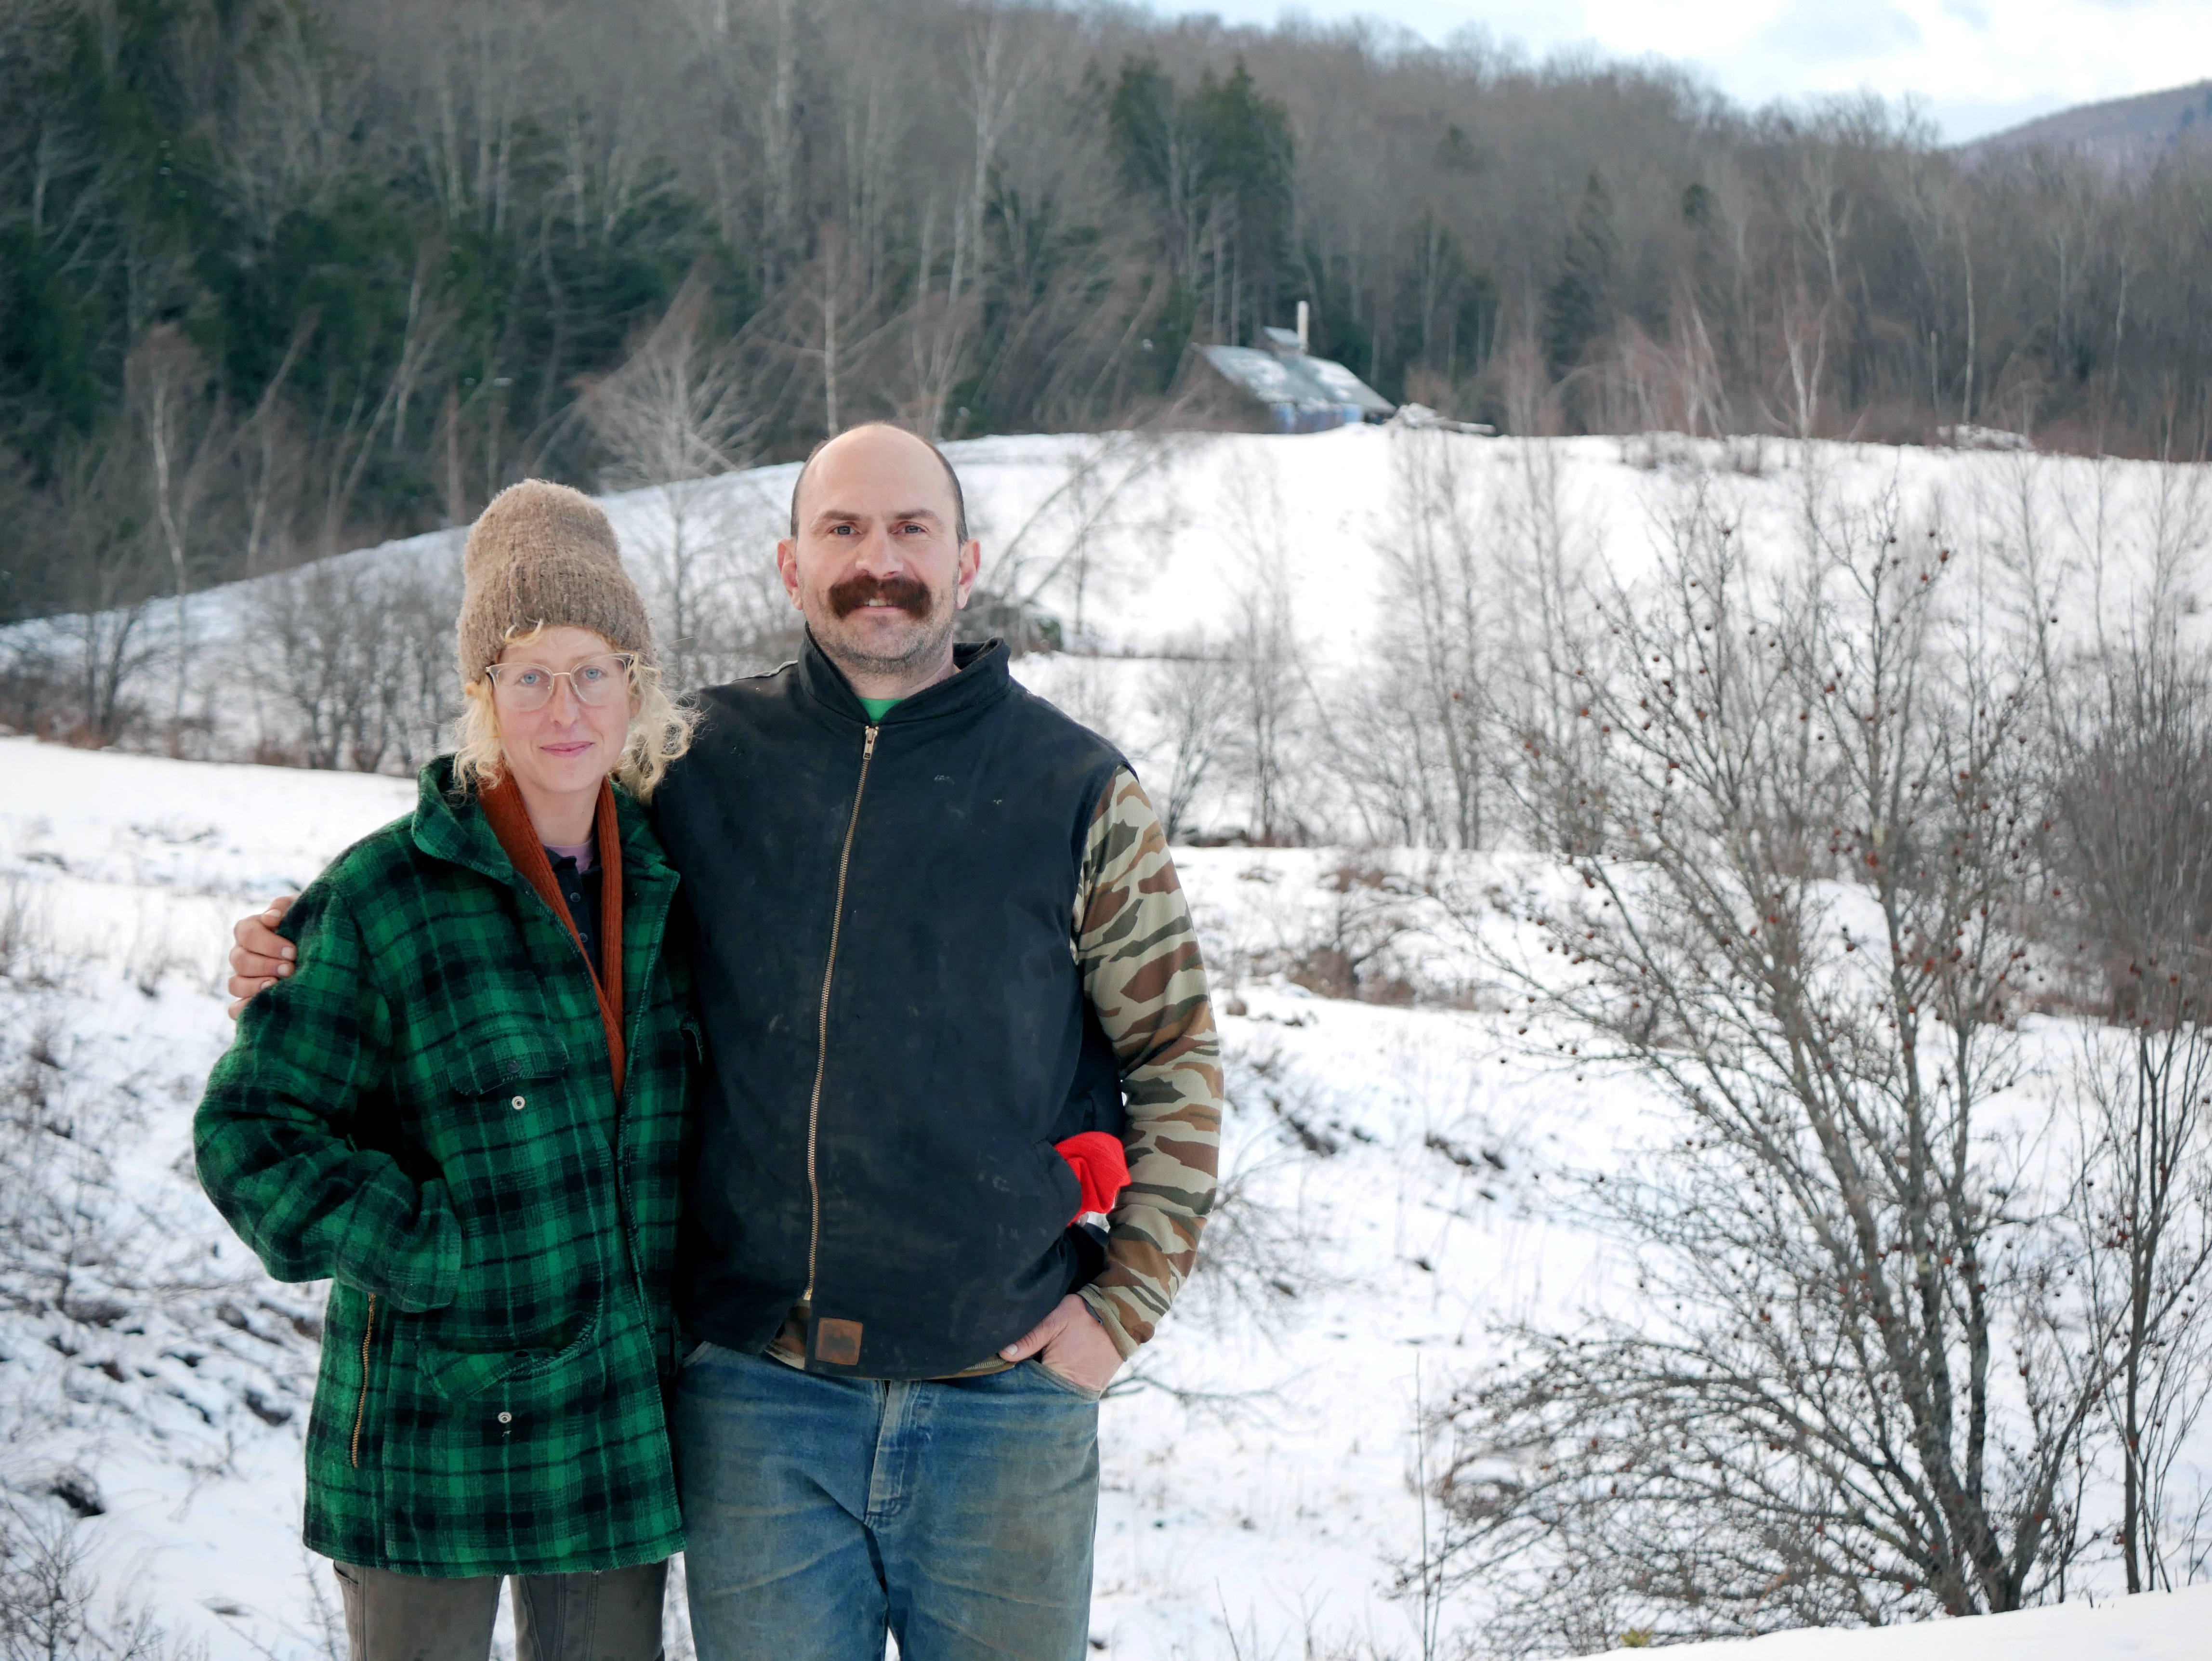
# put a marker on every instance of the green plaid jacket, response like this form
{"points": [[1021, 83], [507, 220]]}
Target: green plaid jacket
{"points": [[423, 1114]]}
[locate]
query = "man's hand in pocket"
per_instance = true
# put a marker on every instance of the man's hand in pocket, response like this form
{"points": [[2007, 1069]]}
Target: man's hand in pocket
{"points": [[1071, 1343]]}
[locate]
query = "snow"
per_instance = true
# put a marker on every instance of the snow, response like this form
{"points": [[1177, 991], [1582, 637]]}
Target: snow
{"points": [[2151, 1625], [131, 870], [1258, 1490], [1138, 544], [1393, 1166]]}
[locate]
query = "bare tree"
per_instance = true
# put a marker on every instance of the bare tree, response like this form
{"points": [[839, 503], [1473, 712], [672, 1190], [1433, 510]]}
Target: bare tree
{"points": [[675, 418], [1000, 57], [1273, 684], [1192, 699], [1799, 841], [360, 654], [1082, 538], [272, 467], [1423, 734], [2132, 872], [378, 403], [836, 327], [112, 570], [170, 389]]}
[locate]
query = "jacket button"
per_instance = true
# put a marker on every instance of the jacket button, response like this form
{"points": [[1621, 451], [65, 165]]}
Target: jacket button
{"points": [[507, 1418], [517, 1104]]}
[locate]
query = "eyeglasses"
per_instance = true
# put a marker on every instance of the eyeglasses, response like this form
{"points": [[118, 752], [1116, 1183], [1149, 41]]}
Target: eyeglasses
{"points": [[595, 681]]}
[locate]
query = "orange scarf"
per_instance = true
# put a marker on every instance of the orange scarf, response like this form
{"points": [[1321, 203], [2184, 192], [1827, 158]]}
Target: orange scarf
{"points": [[510, 822]]}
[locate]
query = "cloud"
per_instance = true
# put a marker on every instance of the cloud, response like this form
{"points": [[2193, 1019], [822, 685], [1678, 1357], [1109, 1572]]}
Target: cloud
{"points": [[1816, 29], [1972, 12]]}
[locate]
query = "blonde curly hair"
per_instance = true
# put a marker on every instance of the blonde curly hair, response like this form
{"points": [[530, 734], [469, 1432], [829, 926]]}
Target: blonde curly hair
{"points": [[659, 729]]}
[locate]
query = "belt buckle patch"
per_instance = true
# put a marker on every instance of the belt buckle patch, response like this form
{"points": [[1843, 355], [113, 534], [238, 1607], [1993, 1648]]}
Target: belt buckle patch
{"points": [[837, 1342]]}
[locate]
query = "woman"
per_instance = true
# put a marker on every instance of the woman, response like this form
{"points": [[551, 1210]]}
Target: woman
{"points": [[465, 1108]]}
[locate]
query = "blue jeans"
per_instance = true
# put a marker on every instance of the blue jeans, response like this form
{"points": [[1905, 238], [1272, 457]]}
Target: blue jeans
{"points": [[821, 1512]]}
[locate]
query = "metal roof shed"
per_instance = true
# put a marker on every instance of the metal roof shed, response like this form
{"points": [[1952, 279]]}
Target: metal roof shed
{"points": [[1303, 394]]}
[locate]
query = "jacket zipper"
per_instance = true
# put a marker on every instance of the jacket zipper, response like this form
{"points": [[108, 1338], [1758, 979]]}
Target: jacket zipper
{"points": [[360, 1407], [822, 1033]]}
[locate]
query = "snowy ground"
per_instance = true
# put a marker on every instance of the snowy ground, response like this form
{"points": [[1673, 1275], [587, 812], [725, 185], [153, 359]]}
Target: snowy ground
{"points": [[1390, 1167], [2155, 1626]]}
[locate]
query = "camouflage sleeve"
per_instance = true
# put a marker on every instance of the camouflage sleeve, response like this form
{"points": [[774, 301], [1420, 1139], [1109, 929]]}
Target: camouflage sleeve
{"points": [[1139, 960]]}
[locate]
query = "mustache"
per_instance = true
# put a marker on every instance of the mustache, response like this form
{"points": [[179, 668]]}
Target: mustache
{"points": [[902, 591]]}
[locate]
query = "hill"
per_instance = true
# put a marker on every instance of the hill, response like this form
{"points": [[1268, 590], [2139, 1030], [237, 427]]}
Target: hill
{"points": [[1131, 553], [2122, 133]]}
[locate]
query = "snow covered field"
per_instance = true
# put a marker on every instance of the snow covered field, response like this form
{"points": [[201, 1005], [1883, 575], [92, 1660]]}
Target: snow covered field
{"points": [[1257, 1471], [1390, 1171]]}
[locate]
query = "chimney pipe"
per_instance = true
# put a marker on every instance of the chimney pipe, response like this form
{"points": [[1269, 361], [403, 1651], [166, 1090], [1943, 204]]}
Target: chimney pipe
{"points": [[1304, 345]]}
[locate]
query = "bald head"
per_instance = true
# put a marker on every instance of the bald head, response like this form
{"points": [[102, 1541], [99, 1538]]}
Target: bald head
{"points": [[880, 436], [879, 557]]}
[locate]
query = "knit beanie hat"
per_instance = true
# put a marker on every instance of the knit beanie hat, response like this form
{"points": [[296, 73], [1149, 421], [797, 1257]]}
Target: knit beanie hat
{"points": [[543, 554]]}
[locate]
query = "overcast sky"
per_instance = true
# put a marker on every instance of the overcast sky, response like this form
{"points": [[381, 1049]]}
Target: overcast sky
{"points": [[1979, 65]]}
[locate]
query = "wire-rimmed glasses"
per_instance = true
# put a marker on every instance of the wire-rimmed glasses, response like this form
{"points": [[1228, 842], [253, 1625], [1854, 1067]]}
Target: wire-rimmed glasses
{"points": [[596, 681]]}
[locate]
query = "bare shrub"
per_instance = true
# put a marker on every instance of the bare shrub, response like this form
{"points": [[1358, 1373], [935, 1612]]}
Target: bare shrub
{"points": [[50, 1606], [156, 951], [33, 684], [123, 1325], [1371, 908], [2131, 865], [25, 935], [1419, 734], [1261, 1256], [359, 654], [1798, 823], [74, 1241], [1191, 698], [100, 528]]}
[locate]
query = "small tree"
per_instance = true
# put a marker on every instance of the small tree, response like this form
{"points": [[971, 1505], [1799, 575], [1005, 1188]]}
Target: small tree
{"points": [[1272, 683], [1419, 730], [111, 570], [1192, 699], [2132, 882], [359, 652], [169, 387]]}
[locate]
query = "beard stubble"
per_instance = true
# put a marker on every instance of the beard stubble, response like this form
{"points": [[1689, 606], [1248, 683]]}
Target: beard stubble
{"points": [[906, 594]]}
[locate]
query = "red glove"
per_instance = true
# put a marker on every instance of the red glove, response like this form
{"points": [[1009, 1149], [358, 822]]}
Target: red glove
{"points": [[1100, 1166]]}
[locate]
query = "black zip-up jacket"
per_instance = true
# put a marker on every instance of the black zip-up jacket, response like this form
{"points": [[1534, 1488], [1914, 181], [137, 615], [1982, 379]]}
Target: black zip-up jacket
{"points": [[898, 1032]]}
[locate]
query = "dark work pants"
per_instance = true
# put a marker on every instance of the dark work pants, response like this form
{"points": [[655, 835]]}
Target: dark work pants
{"points": [[614, 1616]]}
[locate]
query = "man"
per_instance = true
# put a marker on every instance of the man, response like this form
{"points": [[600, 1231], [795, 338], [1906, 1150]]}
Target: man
{"points": [[938, 932]]}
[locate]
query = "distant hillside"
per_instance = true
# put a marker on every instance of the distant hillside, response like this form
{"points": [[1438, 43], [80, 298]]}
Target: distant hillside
{"points": [[2125, 131]]}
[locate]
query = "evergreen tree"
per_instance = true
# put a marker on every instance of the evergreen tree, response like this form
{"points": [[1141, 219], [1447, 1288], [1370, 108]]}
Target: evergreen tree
{"points": [[1578, 302]]}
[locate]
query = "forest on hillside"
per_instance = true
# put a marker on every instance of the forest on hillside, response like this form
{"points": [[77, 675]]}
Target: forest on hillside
{"points": [[279, 277]]}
